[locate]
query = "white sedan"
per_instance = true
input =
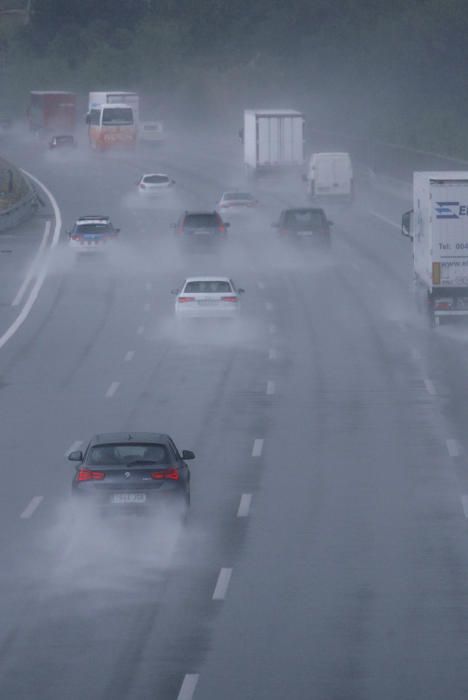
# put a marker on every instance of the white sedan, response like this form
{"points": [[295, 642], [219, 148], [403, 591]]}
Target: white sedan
{"points": [[208, 297], [236, 202], [154, 184]]}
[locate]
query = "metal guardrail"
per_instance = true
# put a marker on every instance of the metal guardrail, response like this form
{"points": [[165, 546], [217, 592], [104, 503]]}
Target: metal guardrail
{"points": [[20, 211]]}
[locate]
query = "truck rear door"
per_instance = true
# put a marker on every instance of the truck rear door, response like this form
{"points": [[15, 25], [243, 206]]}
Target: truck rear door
{"points": [[449, 204]]}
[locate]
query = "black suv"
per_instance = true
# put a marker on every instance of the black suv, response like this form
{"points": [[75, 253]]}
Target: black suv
{"points": [[200, 227], [305, 225]]}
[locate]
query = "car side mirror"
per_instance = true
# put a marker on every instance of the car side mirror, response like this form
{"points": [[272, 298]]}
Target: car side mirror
{"points": [[173, 182], [188, 454], [227, 224], [117, 230], [407, 224], [76, 456], [241, 290]]}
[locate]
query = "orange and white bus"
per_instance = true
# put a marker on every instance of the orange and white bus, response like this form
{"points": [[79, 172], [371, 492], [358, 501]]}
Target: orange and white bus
{"points": [[111, 126]]}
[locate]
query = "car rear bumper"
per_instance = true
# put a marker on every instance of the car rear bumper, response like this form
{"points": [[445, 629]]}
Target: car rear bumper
{"points": [[141, 501]]}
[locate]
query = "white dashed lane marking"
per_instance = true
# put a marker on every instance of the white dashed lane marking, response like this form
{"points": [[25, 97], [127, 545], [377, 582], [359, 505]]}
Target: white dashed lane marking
{"points": [[453, 447], [74, 446], [188, 686], [31, 507], [270, 389], [244, 505], [257, 448], [222, 584], [112, 389], [430, 388], [416, 355], [129, 356], [464, 499], [272, 328]]}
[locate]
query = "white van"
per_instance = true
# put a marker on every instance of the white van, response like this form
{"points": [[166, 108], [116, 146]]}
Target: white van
{"points": [[330, 175]]}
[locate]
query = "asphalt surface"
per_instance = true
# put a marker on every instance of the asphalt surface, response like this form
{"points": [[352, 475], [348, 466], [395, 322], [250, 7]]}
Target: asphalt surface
{"points": [[326, 552]]}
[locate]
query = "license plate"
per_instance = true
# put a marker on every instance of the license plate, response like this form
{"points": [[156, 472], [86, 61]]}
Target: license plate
{"points": [[201, 232], [128, 498], [207, 302]]}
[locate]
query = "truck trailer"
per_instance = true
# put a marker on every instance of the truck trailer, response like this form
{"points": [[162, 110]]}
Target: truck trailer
{"points": [[52, 111], [273, 140], [438, 227]]}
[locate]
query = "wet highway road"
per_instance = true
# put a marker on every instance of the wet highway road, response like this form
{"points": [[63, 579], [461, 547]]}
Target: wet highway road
{"points": [[326, 550]]}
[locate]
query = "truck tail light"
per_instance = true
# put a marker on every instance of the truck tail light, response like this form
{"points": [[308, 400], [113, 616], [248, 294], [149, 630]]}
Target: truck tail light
{"points": [[436, 273]]}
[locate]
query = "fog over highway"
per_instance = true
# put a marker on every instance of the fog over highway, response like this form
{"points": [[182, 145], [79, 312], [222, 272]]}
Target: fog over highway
{"points": [[325, 555]]}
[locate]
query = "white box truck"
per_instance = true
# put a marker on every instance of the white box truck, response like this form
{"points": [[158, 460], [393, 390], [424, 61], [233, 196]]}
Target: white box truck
{"points": [[273, 140], [438, 226]]}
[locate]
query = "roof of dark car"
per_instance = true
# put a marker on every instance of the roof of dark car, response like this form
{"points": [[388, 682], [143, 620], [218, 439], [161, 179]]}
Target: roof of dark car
{"points": [[302, 210], [110, 438]]}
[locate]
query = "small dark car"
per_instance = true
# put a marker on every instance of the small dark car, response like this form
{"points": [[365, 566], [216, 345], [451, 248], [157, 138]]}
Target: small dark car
{"points": [[62, 141], [305, 225], [132, 471], [200, 227]]}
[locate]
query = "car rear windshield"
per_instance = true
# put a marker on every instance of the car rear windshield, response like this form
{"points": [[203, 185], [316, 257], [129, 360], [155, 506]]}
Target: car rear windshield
{"points": [[156, 179], [238, 196], [201, 221], [208, 287], [305, 219], [94, 228], [124, 454]]}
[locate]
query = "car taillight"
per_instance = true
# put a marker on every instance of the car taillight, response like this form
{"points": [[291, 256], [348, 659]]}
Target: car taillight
{"points": [[229, 299], [90, 475], [221, 228], [171, 473], [75, 238], [443, 304], [183, 300], [142, 186]]}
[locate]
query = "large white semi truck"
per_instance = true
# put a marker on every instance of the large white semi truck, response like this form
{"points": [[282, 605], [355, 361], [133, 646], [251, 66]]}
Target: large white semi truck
{"points": [[438, 227], [273, 140]]}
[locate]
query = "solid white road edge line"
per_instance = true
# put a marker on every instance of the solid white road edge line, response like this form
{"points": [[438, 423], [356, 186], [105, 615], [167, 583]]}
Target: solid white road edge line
{"points": [[222, 584], [385, 220], [188, 686], [74, 446], [112, 389], [31, 507], [129, 356], [270, 389], [34, 265], [34, 293], [244, 505], [430, 388], [257, 448], [453, 447]]}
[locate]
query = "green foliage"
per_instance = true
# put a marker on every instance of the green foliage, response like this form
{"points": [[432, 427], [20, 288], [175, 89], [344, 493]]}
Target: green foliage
{"points": [[394, 70]]}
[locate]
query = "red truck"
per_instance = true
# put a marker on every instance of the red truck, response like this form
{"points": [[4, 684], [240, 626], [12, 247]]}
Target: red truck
{"points": [[52, 111]]}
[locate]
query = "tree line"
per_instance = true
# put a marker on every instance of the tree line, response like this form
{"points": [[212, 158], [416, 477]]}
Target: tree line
{"points": [[394, 70]]}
